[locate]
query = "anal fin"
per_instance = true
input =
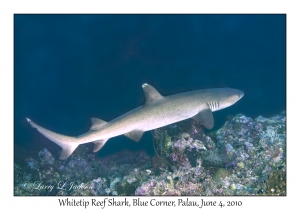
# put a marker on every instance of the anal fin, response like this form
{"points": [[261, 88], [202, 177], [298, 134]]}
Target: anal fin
{"points": [[206, 118], [135, 135]]}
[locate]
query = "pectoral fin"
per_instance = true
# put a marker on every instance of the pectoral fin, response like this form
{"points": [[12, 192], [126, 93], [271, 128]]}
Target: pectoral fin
{"points": [[206, 118], [135, 135]]}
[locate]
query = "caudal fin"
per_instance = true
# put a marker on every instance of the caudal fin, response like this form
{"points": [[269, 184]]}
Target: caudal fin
{"points": [[67, 143]]}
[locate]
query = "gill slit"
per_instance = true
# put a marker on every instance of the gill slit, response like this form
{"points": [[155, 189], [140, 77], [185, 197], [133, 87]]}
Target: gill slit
{"points": [[214, 105]]}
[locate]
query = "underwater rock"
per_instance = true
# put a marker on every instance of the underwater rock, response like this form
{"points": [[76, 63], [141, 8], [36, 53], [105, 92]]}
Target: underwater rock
{"points": [[247, 149], [245, 157], [184, 146], [81, 174], [276, 184], [46, 157]]}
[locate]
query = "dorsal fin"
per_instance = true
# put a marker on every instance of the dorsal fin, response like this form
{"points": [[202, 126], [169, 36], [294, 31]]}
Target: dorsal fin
{"points": [[97, 123], [151, 94]]}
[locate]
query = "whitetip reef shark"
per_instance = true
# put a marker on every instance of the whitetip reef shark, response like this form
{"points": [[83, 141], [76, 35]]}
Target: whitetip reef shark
{"points": [[158, 111]]}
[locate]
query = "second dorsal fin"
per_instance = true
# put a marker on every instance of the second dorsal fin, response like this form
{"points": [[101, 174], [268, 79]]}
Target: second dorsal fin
{"points": [[97, 123], [151, 94]]}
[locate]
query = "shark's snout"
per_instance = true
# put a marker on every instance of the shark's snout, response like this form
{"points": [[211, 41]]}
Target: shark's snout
{"points": [[241, 94]]}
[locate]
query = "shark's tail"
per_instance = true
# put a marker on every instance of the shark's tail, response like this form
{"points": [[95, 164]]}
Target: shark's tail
{"points": [[67, 143]]}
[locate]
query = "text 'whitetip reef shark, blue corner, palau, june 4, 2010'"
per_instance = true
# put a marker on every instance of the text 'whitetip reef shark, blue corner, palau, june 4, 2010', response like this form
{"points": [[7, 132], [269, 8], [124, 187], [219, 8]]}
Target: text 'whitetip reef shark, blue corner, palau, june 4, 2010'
{"points": [[158, 111]]}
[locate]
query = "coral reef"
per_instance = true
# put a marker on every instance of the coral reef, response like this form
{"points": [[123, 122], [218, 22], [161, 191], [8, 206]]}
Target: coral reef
{"points": [[244, 157], [81, 174]]}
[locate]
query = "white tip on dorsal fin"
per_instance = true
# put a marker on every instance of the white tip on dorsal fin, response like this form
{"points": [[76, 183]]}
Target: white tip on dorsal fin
{"points": [[151, 94], [97, 123]]}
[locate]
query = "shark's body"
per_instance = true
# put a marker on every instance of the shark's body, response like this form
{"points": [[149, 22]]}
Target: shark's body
{"points": [[158, 111]]}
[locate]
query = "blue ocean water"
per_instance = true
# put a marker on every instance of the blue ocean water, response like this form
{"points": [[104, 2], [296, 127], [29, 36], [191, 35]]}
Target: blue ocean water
{"points": [[69, 68]]}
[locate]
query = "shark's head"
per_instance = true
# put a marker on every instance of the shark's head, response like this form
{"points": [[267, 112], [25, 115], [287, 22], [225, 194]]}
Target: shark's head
{"points": [[229, 96], [224, 97]]}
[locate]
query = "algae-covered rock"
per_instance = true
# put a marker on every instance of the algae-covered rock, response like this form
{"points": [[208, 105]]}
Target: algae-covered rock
{"points": [[184, 147], [276, 183], [221, 174], [245, 157], [162, 143]]}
